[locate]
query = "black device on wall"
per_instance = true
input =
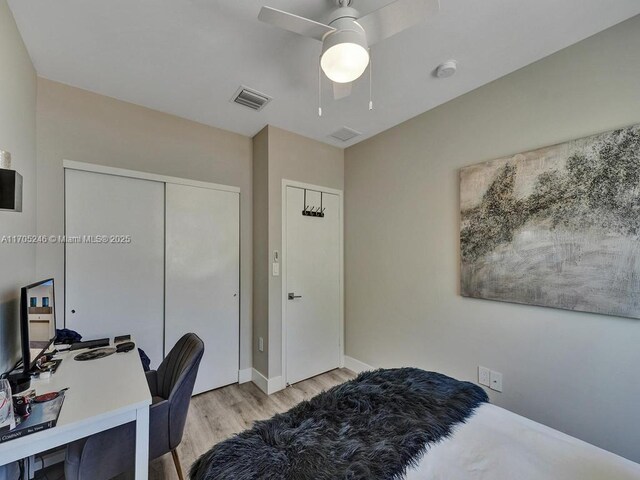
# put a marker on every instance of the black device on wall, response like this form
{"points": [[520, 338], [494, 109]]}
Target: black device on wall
{"points": [[37, 327], [10, 185], [10, 190]]}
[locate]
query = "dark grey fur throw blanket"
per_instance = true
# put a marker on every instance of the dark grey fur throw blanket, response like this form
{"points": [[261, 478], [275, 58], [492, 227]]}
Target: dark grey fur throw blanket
{"points": [[372, 427]]}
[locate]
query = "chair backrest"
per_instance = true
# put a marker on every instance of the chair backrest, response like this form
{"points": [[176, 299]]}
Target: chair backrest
{"points": [[182, 362], [176, 378]]}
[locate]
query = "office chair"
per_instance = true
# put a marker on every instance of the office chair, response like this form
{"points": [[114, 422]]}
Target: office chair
{"points": [[106, 454]]}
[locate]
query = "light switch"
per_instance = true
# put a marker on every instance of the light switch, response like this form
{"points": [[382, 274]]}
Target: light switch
{"points": [[276, 269]]}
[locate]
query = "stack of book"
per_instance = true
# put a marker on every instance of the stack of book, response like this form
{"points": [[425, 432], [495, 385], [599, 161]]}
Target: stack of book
{"points": [[43, 416]]}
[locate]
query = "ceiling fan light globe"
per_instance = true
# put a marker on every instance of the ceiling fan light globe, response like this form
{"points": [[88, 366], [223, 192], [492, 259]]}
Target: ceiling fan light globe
{"points": [[344, 62]]}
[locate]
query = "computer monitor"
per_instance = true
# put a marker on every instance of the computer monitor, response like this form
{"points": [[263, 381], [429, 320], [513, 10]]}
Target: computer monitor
{"points": [[37, 321]]}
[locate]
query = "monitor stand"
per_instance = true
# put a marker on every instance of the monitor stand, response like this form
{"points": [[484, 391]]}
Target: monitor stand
{"points": [[19, 382]]}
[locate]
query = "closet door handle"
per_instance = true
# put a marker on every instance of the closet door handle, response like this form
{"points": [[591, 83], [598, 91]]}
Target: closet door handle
{"points": [[293, 296]]}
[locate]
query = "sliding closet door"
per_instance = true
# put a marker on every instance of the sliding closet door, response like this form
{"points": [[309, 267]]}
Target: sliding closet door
{"points": [[203, 278], [117, 287]]}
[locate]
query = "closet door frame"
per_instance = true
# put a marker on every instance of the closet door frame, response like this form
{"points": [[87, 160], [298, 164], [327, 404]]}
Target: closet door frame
{"points": [[283, 269], [121, 172]]}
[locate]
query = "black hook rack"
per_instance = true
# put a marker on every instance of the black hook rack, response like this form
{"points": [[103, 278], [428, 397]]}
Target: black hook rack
{"points": [[312, 211]]}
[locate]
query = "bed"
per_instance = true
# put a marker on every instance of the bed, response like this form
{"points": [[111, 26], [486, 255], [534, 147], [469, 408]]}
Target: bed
{"points": [[495, 444], [406, 424]]}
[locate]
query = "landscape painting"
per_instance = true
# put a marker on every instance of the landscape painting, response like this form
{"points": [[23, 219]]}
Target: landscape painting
{"points": [[556, 227]]}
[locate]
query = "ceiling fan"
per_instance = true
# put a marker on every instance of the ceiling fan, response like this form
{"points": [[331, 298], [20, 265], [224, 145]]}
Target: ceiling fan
{"points": [[347, 36]]}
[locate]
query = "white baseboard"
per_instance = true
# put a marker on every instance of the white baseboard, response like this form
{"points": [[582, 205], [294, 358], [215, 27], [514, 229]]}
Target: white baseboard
{"points": [[245, 375], [267, 385], [356, 365], [276, 384], [260, 380]]}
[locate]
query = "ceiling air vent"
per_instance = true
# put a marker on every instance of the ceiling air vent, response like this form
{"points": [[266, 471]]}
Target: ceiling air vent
{"points": [[345, 134], [250, 98]]}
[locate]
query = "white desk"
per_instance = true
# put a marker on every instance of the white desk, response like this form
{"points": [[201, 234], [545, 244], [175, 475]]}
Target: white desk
{"points": [[102, 394]]}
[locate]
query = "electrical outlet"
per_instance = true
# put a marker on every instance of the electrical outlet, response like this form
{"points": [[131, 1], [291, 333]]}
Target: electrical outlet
{"points": [[496, 381], [484, 376], [261, 344]]}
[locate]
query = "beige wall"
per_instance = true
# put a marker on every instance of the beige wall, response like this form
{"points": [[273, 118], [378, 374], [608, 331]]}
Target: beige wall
{"points": [[18, 136], [298, 158], [261, 250], [577, 372], [78, 125], [74, 124]]}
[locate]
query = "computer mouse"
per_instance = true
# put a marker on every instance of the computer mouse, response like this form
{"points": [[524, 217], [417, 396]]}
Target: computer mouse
{"points": [[125, 347]]}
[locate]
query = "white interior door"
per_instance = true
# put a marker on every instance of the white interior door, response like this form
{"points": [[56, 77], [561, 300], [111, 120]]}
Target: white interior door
{"points": [[313, 278], [115, 288], [203, 278]]}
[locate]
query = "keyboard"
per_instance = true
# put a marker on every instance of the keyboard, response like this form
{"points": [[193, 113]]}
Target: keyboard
{"points": [[102, 342]]}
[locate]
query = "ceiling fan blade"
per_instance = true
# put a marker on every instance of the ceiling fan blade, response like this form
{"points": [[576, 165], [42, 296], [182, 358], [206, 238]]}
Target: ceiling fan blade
{"points": [[341, 90], [396, 17], [294, 23]]}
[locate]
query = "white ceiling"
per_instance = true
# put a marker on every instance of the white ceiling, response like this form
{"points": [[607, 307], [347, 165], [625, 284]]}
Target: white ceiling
{"points": [[188, 57]]}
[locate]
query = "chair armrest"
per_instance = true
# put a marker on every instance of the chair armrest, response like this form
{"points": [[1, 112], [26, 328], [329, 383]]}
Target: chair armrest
{"points": [[152, 381]]}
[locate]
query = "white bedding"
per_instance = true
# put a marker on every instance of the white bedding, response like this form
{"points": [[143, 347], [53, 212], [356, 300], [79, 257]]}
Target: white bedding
{"points": [[496, 444]]}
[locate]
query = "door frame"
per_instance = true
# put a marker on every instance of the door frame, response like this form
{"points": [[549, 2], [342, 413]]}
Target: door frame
{"points": [[283, 267], [122, 172]]}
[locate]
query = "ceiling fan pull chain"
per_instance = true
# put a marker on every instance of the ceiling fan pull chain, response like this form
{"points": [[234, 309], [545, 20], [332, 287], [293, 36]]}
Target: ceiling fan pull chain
{"points": [[370, 81], [319, 88]]}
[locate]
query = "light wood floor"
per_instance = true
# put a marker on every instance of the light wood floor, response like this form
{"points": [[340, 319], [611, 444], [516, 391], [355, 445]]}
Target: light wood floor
{"points": [[219, 414]]}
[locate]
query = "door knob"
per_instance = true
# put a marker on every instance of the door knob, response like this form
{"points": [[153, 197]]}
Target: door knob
{"points": [[293, 296]]}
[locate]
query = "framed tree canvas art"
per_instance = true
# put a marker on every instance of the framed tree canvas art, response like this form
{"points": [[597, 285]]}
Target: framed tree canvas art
{"points": [[556, 227]]}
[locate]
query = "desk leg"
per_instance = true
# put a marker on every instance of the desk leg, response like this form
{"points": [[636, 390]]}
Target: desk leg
{"points": [[142, 443]]}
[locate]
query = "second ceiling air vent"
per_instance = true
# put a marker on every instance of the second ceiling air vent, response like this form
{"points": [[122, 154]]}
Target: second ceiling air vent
{"points": [[250, 98], [345, 134]]}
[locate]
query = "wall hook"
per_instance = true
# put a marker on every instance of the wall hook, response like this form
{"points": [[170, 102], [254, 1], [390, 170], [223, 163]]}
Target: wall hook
{"points": [[309, 211]]}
